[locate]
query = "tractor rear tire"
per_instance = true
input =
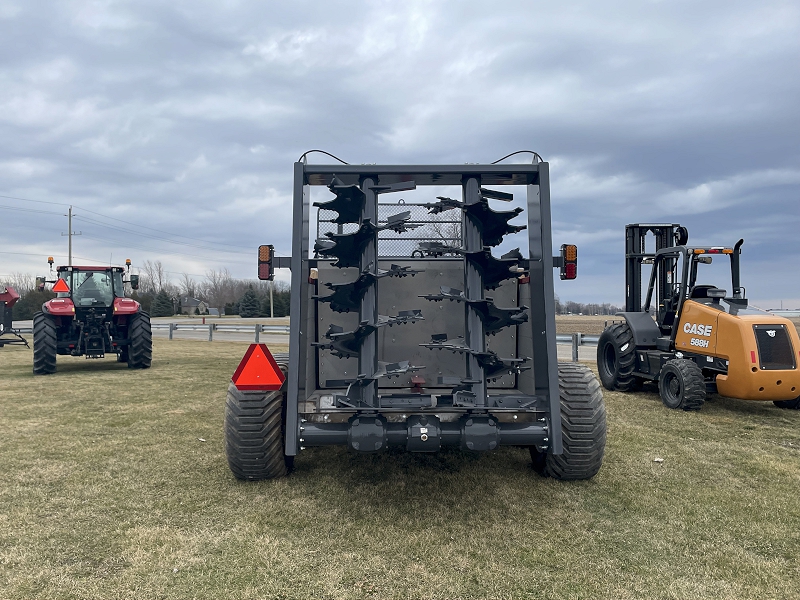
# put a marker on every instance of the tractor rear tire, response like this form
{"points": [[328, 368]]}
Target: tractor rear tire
{"points": [[140, 349], [682, 385], [254, 434], [583, 427], [790, 404], [616, 358], [44, 344]]}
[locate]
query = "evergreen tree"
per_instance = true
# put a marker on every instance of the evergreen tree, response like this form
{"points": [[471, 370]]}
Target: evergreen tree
{"points": [[30, 303], [162, 305], [282, 301], [146, 300], [249, 305]]}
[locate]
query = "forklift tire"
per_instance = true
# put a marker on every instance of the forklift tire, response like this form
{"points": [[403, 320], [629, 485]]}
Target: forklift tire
{"points": [[254, 434], [682, 385], [44, 344], [790, 404], [583, 427], [616, 358], [140, 350]]}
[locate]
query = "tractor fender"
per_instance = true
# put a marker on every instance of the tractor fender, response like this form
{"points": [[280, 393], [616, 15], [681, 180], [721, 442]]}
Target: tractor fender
{"points": [[126, 306], [59, 307], [644, 328]]}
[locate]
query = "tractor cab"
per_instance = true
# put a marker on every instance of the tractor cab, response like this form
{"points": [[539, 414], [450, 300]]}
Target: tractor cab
{"points": [[91, 287]]}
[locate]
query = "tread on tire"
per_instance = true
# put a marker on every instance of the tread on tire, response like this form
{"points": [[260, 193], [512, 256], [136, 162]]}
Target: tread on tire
{"points": [[140, 350], [254, 434], [681, 384], [616, 358], [44, 344], [583, 427]]}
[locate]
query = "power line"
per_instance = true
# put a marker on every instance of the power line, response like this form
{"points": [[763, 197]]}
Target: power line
{"points": [[37, 201], [117, 242], [176, 235], [154, 237], [30, 210]]}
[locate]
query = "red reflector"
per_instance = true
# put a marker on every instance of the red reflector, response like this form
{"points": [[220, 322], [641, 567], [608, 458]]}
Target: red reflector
{"points": [[61, 286], [753, 356], [258, 370], [571, 270], [713, 251]]}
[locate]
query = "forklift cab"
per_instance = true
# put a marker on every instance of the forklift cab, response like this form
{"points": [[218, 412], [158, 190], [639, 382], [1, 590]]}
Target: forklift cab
{"points": [[677, 268]]}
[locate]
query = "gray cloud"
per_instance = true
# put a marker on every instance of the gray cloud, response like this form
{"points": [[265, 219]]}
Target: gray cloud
{"points": [[186, 117]]}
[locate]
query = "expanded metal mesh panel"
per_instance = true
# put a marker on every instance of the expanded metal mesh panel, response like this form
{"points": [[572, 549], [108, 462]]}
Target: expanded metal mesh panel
{"points": [[444, 227], [774, 348]]}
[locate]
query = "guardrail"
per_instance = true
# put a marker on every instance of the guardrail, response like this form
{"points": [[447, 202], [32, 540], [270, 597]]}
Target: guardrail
{"points": [[257, 329], [574, 339]]}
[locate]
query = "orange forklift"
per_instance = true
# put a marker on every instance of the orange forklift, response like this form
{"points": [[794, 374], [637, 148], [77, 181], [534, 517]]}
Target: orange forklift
{"points": [[690, 337]]}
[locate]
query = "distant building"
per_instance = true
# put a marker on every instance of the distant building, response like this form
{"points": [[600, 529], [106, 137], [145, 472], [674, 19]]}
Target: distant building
{"points": [[193, 306], [213, 312]]}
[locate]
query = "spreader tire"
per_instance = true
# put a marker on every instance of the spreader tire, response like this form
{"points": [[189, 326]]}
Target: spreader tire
{"points": [[616, 358], [583, 427], [682, 385], [44, 344], [254, 434], [140, 350], [790, 404]]}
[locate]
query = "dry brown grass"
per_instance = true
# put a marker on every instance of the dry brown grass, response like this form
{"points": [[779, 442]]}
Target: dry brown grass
{"points": [[114, 485]]}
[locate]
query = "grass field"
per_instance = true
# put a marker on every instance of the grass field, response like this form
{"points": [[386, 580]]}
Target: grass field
{"points": [[113, 484]]}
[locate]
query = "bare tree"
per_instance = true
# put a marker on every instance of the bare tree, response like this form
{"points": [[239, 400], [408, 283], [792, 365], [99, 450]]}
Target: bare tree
{"points": [[188, 286], [154, 272], [21, 282], [220, 288]]}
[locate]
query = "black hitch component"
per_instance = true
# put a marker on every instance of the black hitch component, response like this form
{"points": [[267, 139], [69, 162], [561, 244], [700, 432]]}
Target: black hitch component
{"points": [[93, 333]]}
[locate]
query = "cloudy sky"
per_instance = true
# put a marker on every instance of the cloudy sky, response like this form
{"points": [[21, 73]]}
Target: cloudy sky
{"points": [[172, 126]]}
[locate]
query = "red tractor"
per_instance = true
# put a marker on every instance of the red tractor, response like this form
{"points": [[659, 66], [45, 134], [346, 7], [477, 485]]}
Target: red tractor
{"points": [[91, 317]]}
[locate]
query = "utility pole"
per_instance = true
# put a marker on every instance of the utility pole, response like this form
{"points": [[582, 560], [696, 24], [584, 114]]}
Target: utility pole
{"points": [[271, 309], [70, 233]]}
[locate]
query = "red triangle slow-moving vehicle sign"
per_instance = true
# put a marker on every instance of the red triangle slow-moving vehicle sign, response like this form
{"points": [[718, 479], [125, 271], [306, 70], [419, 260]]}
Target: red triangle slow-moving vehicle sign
{"points": [[258, 370], [61, 286]]}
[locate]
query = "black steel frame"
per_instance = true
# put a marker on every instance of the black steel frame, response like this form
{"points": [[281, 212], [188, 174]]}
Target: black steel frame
{"points": [[541, 322]]}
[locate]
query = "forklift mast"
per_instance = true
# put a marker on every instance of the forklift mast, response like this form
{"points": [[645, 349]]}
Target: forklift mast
{"points": [[666, 236]]}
